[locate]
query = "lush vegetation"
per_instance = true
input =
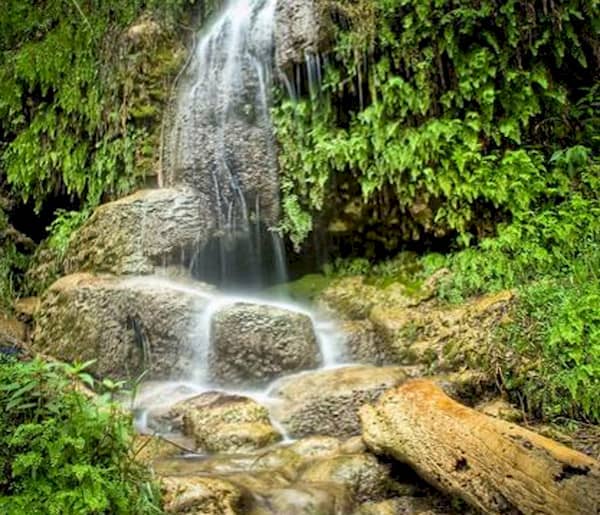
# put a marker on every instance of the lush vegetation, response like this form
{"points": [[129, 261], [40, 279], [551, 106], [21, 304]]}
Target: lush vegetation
{"points": [[62, 452], [476, 124], [441, 118], [81, 99], [552, 258], [550, 362], [67, 94]]}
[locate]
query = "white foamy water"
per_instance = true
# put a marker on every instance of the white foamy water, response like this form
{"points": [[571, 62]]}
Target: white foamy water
{"points": [[222, 144], [160, 395]]}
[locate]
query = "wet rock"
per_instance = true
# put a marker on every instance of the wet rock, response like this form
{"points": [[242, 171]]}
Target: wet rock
{"points": [[253, 344], [246, 148], [201, 496], [284, 459], [274, 494], [326, 402], [362, 343], [300, 29], [316, 447], [302, 499], [153, 404], [240, 436], [127, 326], [148, 449], [207, 465], [311, 475], [363, 476], [141, 233], [226, 423]]}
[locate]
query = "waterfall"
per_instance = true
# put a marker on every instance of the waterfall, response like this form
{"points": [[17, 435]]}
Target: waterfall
{"points": [[221, 143]]}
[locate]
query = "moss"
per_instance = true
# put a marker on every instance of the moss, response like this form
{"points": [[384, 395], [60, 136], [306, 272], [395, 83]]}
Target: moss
{"points": [[306, 289], [144, 112]]}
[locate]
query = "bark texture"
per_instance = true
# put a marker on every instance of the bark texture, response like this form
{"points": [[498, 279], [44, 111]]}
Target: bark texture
{"points": [[496, 466]]}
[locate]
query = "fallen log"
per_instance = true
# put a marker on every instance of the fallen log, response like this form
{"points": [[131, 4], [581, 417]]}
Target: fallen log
{"points": [[495, 466]]}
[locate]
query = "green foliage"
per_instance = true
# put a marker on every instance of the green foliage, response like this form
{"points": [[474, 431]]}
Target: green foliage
{"points": [[63, 227], [561, 239], [66, 92], [62, 452], [444, 114], [556, 333]]}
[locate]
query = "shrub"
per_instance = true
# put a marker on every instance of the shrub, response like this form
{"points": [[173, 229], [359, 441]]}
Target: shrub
{"points": [[62, 452], [556, 333]]}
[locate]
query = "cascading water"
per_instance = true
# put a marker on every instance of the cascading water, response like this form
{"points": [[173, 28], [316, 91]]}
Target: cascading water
{"points": [[221, 143]]}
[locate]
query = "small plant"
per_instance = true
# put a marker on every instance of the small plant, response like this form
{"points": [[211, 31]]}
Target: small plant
{"points": [[63, 227], [556, 333], [62, 451]]}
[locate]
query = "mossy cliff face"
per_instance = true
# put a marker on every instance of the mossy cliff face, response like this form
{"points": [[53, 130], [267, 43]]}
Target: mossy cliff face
{"points": [[153, 55], [430, 120], [418, 329], [84, 88]]}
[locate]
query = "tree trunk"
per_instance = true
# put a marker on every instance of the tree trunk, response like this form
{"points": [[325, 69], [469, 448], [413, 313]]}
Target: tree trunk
{"points": [[494, 465]]}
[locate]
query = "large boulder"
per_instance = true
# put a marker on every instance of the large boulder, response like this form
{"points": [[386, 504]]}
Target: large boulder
{"points": [[364, 477], [254, 343], [141, 233], [127, 326], [201, 496], [219, 422], [444, 338], [326, 402], [395, 324]]}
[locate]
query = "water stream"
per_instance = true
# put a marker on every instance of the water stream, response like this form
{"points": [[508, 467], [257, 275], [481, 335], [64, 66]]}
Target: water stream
{"points": [[222, 144]]}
